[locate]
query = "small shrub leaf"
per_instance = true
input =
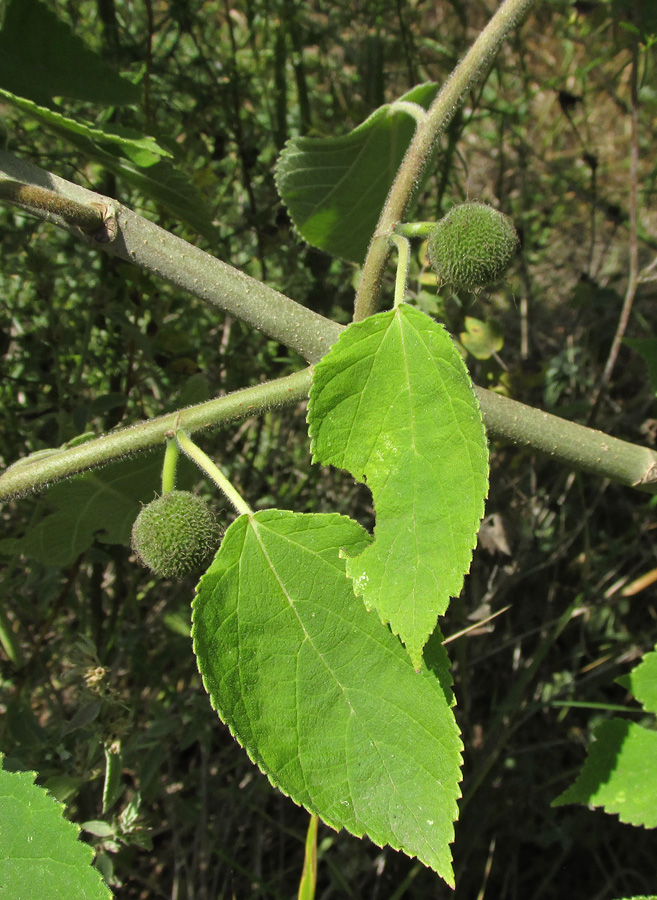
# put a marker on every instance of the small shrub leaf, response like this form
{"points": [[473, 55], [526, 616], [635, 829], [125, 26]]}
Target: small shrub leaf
{"points": [[619, 772], [140, 149], [137, 158], [642, 682]]}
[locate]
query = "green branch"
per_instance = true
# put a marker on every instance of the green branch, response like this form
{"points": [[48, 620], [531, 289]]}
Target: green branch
{"points": [[88, 217], [41, 469], [429, 129], [573, 446], [139, 241]]}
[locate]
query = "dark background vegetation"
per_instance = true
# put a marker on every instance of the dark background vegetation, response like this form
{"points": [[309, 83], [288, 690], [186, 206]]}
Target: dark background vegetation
{"points": [[88, 343]]}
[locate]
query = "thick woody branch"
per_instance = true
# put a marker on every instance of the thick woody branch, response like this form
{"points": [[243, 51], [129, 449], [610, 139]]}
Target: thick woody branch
{"points": [[127, 235]]}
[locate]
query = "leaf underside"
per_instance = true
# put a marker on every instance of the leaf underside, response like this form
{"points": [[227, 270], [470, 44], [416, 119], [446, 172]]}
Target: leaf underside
{"points": [[334, 187]]}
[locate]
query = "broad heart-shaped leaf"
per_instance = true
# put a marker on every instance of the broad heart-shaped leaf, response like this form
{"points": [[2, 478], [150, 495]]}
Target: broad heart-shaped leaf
{"points": [[40, 855], [334, 187], [41, 58], [320, 693], [392, 402]]}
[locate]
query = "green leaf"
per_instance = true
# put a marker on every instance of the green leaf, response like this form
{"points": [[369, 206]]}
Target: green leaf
{"points": [[142, 150], [112, 788], [41, 58], [481, 339], [334, 187], [102, 504], [642, 681], [321, 695], [619, 773], [392, 402], [40, 855], [135, 157]]}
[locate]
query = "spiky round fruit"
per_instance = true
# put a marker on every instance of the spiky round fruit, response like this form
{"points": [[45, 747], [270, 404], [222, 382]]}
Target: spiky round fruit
{"points": [[472, 246], [175, 534]]}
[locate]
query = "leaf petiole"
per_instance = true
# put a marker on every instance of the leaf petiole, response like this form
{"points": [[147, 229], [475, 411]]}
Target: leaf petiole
{"points": [[204, 463], [415, 229], [403, 261], [169, 466]]}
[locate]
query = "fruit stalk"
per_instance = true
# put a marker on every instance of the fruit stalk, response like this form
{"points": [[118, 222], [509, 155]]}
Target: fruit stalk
{"points": [[204, 463]]}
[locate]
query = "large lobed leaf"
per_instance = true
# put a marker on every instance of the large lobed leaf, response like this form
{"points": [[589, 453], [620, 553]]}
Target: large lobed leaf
{"points": [[40, 855], [321, 695], [392, 402], [334, 187]]}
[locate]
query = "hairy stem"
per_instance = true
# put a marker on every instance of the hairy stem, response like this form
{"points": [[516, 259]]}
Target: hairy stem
{"points": [[301, 329], [431, 127], [88, 217], [568, 443], [169, 466], [36, 472]]}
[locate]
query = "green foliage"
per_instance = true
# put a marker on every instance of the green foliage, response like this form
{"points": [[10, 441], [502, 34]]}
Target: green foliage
{"points": [[619, 773], [321, 695], [472, 246], [101, 505], [40, 854], [175, 534], [136, 157], [41, 58], [481, 339], [102, 695], [393, 404], [140, 149], [335, 187]]}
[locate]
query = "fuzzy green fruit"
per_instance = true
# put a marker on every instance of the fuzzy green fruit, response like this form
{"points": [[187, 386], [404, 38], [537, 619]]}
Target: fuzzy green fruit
{"points": [[175, 534], [472, 246]]}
